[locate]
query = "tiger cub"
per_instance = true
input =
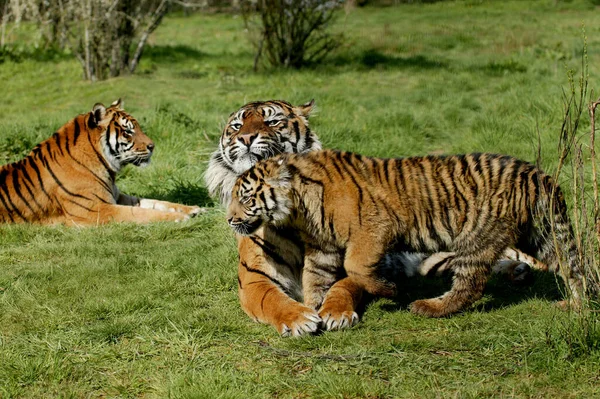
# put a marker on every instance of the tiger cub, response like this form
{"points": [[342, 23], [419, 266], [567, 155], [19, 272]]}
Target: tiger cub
{"points": [[353, 210], [70, 178]]}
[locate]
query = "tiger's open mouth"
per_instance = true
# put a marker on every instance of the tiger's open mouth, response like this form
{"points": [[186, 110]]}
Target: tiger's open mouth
{"points": [[245, 227]]}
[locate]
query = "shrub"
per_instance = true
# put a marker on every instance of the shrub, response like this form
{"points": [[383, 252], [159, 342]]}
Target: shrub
{"points": [[291, 33]]}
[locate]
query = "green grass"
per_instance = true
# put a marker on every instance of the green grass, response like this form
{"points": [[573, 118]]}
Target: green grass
{"points": [[152, 311]]}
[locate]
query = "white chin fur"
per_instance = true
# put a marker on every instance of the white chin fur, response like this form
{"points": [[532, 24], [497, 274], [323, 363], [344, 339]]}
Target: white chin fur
{"points": [[243, 164]]}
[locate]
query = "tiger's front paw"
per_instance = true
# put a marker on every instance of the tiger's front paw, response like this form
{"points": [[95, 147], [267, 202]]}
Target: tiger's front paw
{"points": [[298, 322], [339, 321], [191, 211], [194, 211], [337, 315]]}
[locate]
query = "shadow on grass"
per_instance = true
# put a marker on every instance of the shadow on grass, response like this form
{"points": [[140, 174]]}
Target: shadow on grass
{"points": [[185, 193], [371, 59], [170, 54], [22, 53], [499, 292]]}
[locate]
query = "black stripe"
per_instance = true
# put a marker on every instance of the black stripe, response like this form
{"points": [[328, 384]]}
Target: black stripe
{"points": [[17, 188], [23, 170], [269, 251], [252, 270], [60, 184], [344, 165], [296, 134], [262, 301], [332, 228], [107, 135], [39, 176], [100, 157], [102, 199], [308, 139], [56, 138], [263, 198], [324, 168], [477, 163], [8, 210], [4, 189], [81, 206], [76, 131], [438, 265]]}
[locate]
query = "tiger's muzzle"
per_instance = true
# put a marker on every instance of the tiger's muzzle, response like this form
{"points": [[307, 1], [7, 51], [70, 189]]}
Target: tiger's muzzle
{"points": [[244, 227]]}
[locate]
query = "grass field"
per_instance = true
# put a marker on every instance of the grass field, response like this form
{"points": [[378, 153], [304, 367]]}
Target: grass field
{"points": [[152, 311]]}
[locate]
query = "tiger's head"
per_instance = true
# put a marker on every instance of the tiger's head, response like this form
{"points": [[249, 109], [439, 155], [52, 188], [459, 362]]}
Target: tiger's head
{"points": [[263, 194], [258, 130], [122, 140]]}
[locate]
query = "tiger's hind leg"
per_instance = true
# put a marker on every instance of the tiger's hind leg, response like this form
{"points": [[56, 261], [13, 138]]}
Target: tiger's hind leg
{"points": [[145, 203], [514, 264], [470, 274], [107, 213], [471, 268]]}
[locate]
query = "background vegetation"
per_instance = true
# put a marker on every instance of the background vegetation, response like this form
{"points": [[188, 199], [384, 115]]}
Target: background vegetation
{"points": [[152, 311]]}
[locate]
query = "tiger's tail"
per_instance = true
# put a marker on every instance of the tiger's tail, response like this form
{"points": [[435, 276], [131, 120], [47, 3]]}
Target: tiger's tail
{"points": [[552, 239]]}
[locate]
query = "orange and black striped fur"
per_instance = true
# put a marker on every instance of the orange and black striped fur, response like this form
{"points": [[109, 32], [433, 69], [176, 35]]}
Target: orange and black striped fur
{"points": [[271, 262], [70, 178], [353, 210], [270, 266]]}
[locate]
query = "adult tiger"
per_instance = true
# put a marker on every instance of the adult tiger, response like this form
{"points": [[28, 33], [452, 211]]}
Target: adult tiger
{"points": [[270, 268], [352, 210], [70, 178]]}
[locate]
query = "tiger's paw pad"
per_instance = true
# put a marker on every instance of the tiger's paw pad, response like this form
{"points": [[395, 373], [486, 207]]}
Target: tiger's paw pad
{"points": [[340, 321], [305, 324], [428, 307]]}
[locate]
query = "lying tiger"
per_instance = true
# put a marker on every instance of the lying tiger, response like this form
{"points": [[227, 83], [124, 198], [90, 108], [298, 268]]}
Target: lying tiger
{"points": [[70, 178], [351, 211]]}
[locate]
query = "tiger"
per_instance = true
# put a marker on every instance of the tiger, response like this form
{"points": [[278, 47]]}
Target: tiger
{"points": [[269, 270], [352, 210], [270, 267], [70, 177]]}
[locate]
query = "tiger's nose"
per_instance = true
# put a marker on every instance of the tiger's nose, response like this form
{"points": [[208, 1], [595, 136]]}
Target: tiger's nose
{"points": [[150, 146], [248, 138]]}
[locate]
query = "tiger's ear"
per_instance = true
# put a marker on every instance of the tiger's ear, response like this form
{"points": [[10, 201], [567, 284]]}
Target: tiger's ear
{"points": [[306, 109], [97, 115], [118, 104]]}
